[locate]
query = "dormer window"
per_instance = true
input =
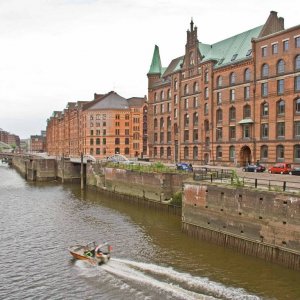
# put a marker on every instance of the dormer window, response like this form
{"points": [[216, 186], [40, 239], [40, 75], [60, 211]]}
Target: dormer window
{"points": [[234, 57], [221, 61], [249, 52]]}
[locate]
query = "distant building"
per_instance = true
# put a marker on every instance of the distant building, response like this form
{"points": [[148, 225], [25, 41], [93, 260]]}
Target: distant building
{"points": [[13, 140], [108, 125], [24, 145], [37, 143], [232, 102], [3, 136], [10, 139]]}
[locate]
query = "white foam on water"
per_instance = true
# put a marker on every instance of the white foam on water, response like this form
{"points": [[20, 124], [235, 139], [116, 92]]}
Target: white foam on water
{"points": [[91, 271], [188, 281], [125, 271], [126, 274]]}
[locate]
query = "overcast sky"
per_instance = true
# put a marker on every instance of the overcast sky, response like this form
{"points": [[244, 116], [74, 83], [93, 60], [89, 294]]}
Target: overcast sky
{"points": [[56, 51]]}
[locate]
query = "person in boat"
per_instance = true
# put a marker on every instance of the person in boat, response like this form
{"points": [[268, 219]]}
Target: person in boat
{"points": [[98, 251]]}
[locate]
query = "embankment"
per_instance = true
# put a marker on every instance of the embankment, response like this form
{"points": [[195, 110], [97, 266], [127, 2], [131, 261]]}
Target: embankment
{"points": [[259, 223]]}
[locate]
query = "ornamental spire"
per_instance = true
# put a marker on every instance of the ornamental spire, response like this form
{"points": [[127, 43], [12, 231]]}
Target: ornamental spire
{"points": [[155, 67]]}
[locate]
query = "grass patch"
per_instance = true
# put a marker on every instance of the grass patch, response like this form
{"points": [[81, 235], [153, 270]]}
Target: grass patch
{"points": [[177, 199]]}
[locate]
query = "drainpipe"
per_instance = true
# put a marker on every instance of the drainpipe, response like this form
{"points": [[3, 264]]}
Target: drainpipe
{"points": [[81, 171], [63, 169], [254, 99], [212, 115]]}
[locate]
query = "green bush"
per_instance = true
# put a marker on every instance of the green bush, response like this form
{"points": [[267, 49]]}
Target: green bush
{"points": [[235, 179], [177, 199]]}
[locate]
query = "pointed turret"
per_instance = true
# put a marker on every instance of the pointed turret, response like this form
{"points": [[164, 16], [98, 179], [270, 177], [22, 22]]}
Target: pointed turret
{"points": [[155, 67]]}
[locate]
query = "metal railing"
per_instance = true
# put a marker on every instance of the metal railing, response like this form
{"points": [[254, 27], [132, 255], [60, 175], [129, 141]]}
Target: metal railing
{"points": [[212, 174], [229, 177]]}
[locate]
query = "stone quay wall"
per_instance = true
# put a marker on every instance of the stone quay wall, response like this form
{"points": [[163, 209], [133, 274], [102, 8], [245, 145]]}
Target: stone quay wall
{"points": [[68, 171], [153, 186], [259, 223], [37, 169]]}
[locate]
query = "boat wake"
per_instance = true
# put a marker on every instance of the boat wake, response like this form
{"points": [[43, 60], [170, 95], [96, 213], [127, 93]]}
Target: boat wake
{"points": [[167, 283]]}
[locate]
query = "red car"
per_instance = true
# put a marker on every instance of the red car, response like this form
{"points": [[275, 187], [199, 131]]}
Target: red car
{"points": [[281, 168]]}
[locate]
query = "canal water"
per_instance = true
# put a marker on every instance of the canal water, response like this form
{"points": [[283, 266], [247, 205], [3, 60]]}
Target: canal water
{"points": [[151, 258]]}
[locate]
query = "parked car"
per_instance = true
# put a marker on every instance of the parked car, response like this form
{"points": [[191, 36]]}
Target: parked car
{"points": [[295, 171], [281, 168], [254, 168], [184, 167]]}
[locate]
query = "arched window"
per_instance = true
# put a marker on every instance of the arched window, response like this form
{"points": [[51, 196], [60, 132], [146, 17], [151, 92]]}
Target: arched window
{"points": [[297, 83], [265, 109], [297, 153], [175, 128], [206, 125], [195, 119], [186, 89], [219, 115], [280, 107], [280, 66], [169, 94], [297, 63], [207, 141], [206, 76], [196, 87], [206, 109], [169, 122], [192, 60], [231, 153], [186, 120], [219, 152], [155, 151], [162, 95], [247, 111], [232, 113], [161, 152], [206, 93], [175, 85], [280, 153], [169, 153], [155, 97], [265, 70], [195, 152], [297, 106], [247, 75], [186, 152], [161, 124], [264, 152], [155, 123], [219, 81], [232, 78]]}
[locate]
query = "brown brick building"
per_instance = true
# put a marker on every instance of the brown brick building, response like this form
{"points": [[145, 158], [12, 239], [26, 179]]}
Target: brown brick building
{"points": [[63, 134], [108, 125], [38, 143], [9, 138], [230, 103]]}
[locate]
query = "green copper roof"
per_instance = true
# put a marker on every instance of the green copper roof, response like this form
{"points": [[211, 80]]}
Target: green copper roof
{"points": [[155, 67], [230, 50]]}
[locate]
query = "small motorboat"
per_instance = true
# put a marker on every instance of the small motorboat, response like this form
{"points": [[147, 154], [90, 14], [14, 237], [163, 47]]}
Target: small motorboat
{"points": [[94, 253]]}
